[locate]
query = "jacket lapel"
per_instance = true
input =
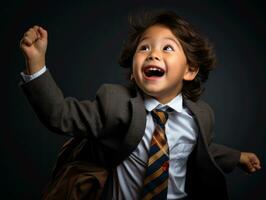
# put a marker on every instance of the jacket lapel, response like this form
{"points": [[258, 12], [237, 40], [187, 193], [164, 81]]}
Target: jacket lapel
{"points": [[136, 127], [201, 117]]}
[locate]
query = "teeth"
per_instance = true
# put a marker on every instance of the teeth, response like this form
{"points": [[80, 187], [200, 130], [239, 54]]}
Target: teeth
{"points": [[154, 71]]}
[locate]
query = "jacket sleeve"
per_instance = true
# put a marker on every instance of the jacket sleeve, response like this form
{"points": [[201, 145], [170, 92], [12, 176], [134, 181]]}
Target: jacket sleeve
{"points": [[65, 115], [227, 158]]}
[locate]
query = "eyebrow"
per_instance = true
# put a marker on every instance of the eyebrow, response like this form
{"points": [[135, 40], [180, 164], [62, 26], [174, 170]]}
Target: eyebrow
{"points": [[168, 38]]}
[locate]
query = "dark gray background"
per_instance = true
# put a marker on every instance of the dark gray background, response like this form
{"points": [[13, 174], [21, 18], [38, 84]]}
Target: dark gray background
{"points": [[84, 45]]}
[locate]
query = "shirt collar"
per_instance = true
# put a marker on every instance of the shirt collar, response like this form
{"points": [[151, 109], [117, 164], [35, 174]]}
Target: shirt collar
{"points": [[176, 103]]}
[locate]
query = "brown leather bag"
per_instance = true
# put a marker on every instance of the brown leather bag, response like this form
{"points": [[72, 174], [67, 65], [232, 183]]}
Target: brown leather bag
{"points": [[75, 179]]}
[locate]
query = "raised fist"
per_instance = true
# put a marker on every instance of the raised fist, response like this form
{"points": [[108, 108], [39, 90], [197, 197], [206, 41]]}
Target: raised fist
{"points": [[34, 45]]}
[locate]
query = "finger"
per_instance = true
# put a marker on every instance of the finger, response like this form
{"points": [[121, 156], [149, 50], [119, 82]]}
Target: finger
{"points": [[43, 33], [250, 167], [253, 170], [256, 160], [257, 166], [26, 41], [35, 28], [31, 35]]}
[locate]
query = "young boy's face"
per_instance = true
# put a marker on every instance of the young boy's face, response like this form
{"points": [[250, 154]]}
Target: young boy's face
{"points": [[160, 65]]}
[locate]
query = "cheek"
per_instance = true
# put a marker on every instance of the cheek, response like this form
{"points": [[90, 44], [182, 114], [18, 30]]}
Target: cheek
{"points": [[134, 64], [135, 69], [139, 58], [137, 62]]}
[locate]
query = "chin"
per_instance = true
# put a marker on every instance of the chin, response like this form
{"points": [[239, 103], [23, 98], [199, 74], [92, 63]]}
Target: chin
{"points": [[152, 92], [151, 89]]}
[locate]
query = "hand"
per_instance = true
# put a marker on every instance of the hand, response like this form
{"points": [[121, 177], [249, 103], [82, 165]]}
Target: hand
{"points": [[249, 162], [34, 45]]}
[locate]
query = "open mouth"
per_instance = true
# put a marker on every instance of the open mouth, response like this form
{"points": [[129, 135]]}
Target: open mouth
{"points": [[153, 71]]}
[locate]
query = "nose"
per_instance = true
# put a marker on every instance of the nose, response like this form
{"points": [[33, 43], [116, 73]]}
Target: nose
{"points": [[154, 55]]}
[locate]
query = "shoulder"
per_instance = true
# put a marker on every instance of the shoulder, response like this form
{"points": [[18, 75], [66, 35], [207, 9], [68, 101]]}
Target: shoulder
{"points": [[206, 107], [208, 113], [114, 88], [114, 92], [113, 101], [199, 104], [115, 97], [202, 107]]}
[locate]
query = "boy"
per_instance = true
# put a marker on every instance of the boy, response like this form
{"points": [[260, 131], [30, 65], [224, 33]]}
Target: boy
{"points": [[155, 136]]}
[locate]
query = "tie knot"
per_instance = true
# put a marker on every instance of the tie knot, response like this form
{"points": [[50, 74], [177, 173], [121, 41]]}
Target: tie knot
{"points": [[160, 117]]}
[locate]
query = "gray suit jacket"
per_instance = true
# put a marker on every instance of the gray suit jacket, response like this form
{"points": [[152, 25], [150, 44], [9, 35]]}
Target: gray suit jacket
{"points": [[114, 123]]}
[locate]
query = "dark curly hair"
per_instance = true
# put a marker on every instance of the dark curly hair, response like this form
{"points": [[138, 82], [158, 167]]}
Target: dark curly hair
{"points": [[198, 51]]}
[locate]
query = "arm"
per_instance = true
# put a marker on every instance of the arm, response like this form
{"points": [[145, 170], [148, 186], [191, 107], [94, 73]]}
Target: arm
{"points": [[228, 158], [65, 115], [59, 114]]}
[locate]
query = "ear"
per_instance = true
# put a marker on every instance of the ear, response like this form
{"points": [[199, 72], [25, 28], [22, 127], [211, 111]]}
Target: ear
{"points": [[131, 77], [191, 73]]}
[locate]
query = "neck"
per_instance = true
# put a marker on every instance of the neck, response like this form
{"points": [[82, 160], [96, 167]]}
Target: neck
{"points": [[167, 99]]}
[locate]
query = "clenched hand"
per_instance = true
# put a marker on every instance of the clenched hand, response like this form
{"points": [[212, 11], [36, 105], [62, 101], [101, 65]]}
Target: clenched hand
{"points": [[249, 162], [34, 44]]}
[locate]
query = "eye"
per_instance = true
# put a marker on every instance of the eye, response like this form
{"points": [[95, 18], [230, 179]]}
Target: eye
{"points": [[168, 48], [144, 48]]}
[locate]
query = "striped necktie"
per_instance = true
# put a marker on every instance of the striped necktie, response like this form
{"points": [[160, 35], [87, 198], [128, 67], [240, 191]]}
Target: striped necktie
{"points": [[156, 179]]}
